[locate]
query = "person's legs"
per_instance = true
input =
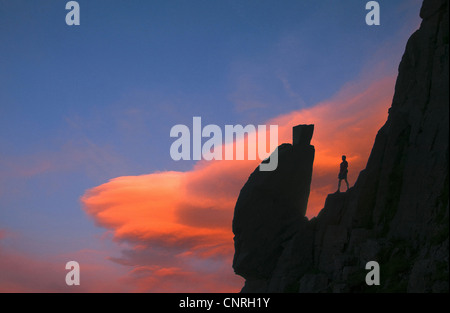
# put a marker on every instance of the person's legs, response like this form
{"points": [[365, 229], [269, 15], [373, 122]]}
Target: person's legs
{"points": [[346, 181], [339, 185]]}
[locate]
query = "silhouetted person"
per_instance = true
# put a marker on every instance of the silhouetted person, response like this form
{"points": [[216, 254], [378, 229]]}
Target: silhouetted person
{"points": [[343, 173]]}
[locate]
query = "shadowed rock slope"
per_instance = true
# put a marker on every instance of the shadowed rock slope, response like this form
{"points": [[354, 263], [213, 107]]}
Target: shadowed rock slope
{"points": [[396, 214]]}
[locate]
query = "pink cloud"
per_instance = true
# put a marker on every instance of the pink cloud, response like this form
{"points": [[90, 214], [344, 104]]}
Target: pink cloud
{"points": [[26, 272], [178, 224]]}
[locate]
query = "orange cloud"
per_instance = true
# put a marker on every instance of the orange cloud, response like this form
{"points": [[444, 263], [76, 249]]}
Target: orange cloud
{"points": [[178, 224]]}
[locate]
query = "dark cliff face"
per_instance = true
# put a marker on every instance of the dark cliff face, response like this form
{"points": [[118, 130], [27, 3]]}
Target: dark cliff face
{"points": [[397, 212]]}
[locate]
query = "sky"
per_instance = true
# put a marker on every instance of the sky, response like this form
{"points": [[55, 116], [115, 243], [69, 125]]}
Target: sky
{"points": [[86, 112]]}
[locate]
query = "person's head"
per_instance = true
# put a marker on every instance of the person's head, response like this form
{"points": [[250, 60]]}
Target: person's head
{"points": [[343, 158]]}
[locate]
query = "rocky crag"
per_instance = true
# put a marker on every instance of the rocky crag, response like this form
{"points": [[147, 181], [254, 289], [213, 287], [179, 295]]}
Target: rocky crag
{"points": [[396, 214]]}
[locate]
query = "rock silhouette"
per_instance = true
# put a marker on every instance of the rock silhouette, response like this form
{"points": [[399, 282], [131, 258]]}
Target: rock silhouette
{"points": [[396, 214], [270, 207]]}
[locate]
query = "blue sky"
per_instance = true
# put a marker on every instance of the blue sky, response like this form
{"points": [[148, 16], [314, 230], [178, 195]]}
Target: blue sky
{"points": [[80, 105]]}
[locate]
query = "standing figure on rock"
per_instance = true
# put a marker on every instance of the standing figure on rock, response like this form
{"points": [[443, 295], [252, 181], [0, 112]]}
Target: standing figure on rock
{"points": [[343, 173]]}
